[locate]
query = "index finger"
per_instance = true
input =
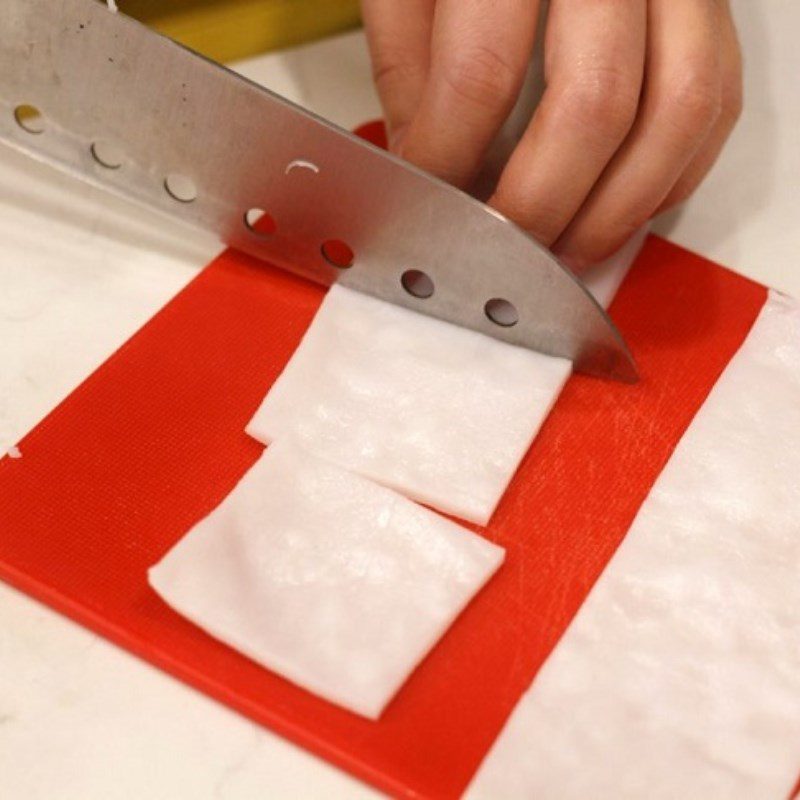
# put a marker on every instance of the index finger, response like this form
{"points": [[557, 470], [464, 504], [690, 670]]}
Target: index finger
{"points": [[479, 54], [398, 35]]}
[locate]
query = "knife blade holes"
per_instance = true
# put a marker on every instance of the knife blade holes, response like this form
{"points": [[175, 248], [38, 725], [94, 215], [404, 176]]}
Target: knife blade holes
{"points": [[259, 222], [180, 188], [417, 283], [107, 154], [29, 118], [501, 312], [301, 163], [338, 253]]}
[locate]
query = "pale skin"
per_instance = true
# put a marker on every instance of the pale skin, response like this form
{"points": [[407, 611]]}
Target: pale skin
{"points": [[641, 96]]}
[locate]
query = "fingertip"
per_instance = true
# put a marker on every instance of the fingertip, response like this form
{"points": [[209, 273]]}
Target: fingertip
{"points": [[580, 252], [575, 261], [526, 204]]}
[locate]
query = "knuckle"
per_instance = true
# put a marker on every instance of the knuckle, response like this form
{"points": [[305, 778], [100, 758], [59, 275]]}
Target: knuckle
{"points": [[390, 69], [694, 100], [482, 76], [605, 99]]}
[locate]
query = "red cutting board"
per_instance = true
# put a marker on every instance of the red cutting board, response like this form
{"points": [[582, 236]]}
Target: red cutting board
{"points": [[153, 440]]}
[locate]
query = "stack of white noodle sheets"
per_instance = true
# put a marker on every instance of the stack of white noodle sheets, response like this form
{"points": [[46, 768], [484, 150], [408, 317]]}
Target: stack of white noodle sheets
{"points": [[320, 565]]}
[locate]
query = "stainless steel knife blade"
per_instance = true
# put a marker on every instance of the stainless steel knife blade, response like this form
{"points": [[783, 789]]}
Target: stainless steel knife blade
{"points": [[206, 146]]}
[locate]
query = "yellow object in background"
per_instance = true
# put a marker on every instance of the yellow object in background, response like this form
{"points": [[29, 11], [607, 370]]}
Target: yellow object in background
{"points": [[227, 30]]}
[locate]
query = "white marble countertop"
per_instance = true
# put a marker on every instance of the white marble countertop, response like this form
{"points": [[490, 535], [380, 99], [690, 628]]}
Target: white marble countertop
{"points": [[80, 718]]}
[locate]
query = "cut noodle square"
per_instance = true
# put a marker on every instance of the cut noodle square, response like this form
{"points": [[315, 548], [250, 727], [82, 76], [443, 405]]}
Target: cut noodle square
{"points": [[337, 584], [442, 414]]}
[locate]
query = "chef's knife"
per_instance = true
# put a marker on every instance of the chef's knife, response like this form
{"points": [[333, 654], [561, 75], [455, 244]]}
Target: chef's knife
{"points": [[102, 97]]}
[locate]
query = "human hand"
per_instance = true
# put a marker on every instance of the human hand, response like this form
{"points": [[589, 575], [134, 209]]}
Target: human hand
{"points": [[641, 96]]}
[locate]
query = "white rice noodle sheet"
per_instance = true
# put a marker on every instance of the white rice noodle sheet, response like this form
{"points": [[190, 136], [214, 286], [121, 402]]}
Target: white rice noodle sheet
{"points": [[680, 675], [339, 585], [441, 414]]}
